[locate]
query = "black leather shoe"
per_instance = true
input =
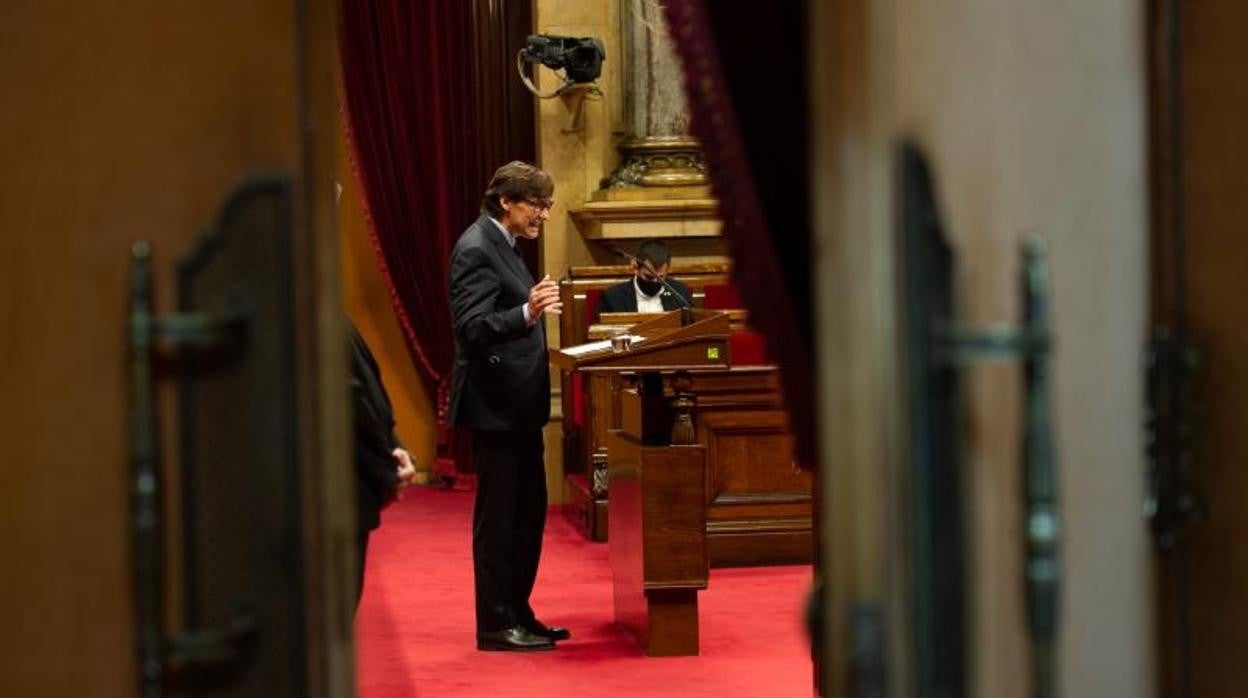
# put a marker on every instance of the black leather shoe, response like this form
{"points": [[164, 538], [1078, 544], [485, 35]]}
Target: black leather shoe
{"points": [[553, 633], [515, 639]]}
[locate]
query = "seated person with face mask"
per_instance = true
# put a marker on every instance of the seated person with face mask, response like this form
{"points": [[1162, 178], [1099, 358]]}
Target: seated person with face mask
{"points": [[644, 293]]}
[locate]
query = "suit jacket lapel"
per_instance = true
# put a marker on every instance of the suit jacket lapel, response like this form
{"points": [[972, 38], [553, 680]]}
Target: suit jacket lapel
{"points": [[670, 302], [507, 252]]}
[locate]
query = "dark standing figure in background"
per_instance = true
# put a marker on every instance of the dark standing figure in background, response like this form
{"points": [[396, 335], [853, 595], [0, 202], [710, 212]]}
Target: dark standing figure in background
{"points": [[643, 293], [383, 466], [501, 391]]}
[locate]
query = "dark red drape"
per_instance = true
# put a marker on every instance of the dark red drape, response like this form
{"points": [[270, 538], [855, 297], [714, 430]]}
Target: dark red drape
{"points": [[757, 151], [407, 87], [408, 80]]}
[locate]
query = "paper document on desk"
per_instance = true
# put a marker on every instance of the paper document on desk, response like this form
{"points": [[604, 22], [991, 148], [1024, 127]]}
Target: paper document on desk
{"points": [[604, 345], [588, 348]]}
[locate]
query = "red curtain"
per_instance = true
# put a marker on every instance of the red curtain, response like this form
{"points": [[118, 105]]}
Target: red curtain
{"points": [[408, 79], [728, 49]]}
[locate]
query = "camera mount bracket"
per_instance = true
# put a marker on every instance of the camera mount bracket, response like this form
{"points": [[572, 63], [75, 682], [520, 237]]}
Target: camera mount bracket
{"points": [[568, 86]]}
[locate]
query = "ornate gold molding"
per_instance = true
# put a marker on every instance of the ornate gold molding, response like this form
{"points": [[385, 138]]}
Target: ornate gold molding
{"points": [[659, 161], [663, 218]]}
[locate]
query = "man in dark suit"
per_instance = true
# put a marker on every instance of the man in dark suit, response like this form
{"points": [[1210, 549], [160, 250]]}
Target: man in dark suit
{"points": [[501, 391], [644, 292], [383, 466]]}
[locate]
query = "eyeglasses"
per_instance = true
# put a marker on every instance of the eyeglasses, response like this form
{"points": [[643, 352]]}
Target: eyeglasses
{"points": [[540, 204]]}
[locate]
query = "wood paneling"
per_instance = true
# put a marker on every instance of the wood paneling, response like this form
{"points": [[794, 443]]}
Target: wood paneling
{"points": [[658, 539], [1214, 98], [758, 503]]}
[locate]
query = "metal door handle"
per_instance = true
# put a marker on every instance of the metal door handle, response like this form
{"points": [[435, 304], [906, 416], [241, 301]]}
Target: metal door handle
{"points": [[158, 654]]}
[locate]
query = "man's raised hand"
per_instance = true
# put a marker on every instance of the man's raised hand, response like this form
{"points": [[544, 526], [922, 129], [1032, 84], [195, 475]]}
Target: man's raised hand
{"points": [[544, 298]]}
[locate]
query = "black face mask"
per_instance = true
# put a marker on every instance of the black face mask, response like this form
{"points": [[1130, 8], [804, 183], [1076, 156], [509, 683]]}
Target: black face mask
{"points": [[649, 286]]}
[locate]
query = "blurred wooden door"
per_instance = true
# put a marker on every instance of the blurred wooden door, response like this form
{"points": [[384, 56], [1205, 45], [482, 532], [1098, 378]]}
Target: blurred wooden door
{"points": [[1031, 120], [126, 121], [1200, 255]]}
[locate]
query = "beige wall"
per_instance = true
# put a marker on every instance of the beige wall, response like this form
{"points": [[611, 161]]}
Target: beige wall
{"points": [[1033, 117], [577, 160], [366, 299]]}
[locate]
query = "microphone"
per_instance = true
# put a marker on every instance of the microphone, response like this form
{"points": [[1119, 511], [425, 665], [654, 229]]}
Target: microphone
{"points": [[645, 263]]}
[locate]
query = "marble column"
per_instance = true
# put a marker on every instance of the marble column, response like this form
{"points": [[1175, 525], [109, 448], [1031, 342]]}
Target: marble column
{"points": [[658, 152]]}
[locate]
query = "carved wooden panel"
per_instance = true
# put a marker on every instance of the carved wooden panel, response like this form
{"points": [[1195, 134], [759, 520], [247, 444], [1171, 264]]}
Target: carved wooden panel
{"points": [[657, 545], [758, 501]]}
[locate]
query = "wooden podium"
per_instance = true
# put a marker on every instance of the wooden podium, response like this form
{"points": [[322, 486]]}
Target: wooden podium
{"points": [[595, 377], [657, 474], [689, 339]]}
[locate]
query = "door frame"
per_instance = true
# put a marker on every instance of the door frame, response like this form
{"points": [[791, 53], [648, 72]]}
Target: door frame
{"points": [[324, 430], [858, 323]]}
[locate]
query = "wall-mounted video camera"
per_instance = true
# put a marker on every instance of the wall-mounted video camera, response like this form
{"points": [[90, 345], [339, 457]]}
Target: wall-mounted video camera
{"points": [[580, 59]]}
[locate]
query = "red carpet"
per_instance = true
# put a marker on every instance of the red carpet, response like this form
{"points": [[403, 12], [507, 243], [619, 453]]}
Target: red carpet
{"points": [[416, 637]]}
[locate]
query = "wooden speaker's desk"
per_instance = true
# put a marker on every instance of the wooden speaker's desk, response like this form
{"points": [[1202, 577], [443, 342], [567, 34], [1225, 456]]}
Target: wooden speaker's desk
{"points": [[657, 474], [658, 534], [690, 339], [758, 504]]}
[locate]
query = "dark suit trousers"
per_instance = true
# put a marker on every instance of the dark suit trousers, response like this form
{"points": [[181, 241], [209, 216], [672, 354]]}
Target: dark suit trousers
{"points": [[507, 524]]}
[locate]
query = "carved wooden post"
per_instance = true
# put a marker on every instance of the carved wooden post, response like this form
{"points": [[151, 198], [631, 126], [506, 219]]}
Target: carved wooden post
{"points": [[598, 472], [683, 433]]}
